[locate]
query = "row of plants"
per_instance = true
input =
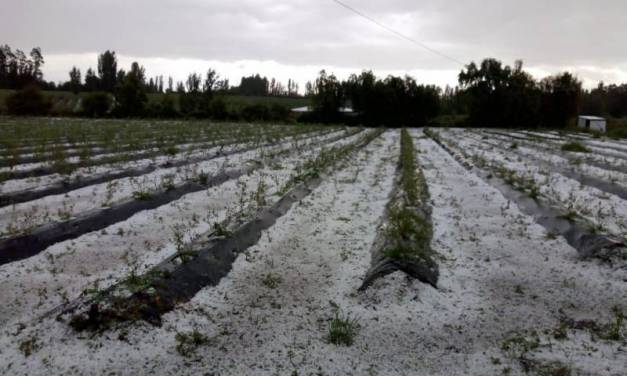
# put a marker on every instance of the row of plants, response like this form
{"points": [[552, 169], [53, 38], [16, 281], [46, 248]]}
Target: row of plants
{"points": [[405, 242], [199, 263], [23, 219], [581, 228], [29, 135], [59, 161]]}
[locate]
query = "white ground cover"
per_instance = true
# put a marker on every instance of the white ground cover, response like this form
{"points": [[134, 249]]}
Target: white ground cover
{"points": [[534, 154], [99, 258], [588, 139], [583, 157], [594, 146], [320, 249], [185, 150], [16, 185], [607, 211], [19, 217], [500, 279]]}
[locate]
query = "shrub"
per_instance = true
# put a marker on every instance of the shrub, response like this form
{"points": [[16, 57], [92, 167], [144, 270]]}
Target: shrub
{"points": [[218, 110], [28, 101], [96, 104], [165, 108], [256, 112]]}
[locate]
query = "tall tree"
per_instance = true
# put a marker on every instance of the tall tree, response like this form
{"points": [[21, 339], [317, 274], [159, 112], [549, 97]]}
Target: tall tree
{"points": [[92, 83], [170, 85], [560, 99], [500, 96], [209, 84], [75, 80], [329, 97], [107, 70], [131, 95], [37, 62]]}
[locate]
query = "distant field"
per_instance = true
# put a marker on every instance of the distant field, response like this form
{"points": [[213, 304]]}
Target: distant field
{"points": [[67, 102]]}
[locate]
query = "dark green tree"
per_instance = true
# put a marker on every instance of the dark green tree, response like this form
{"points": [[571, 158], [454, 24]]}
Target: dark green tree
{"points": [[131, 95], [560, 99], [107, 71], [28, 101], [328, 98], [96, 104], [75, 80], [499, 96], [91, 80]]}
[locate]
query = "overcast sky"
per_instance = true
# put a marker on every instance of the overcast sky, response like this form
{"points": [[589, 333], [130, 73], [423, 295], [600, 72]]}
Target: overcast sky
{"points": [[297, 38]]}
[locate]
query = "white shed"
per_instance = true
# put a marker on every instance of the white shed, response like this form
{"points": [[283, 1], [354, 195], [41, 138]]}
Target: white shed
{"points": [[592, 123], [343, 110]]}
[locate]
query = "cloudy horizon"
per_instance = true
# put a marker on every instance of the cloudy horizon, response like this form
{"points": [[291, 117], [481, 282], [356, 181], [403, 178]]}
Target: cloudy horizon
{"points": [[297, 39]]}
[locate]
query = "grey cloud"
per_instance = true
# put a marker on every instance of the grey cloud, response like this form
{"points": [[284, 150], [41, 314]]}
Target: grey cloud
{"points": [[298, 32]]}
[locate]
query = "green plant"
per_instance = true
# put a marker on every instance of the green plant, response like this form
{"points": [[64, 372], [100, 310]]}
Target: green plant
{"points": [[188, 343], [561, 333], [519, 345], [143, 195], [614, 330], [28, 346], [342, 330], [576, 147], [167, 183], [203, 178], [271, 280], [411, 234]]}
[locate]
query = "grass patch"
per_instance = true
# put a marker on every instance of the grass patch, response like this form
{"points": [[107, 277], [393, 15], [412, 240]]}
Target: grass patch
{"points": [[576, 147], [143, 195], [271, 280], [343, 330], [614, 330], [188, 343], [28, 346]]}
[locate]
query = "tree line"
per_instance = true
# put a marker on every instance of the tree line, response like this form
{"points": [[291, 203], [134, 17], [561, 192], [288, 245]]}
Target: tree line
{"points": [[488, 94], [18, 70], [115, 92]]}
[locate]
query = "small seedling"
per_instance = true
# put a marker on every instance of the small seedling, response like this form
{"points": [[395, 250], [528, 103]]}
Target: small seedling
{"points": [[188, 343], [28, 346], [342, 330], [271, 280]]}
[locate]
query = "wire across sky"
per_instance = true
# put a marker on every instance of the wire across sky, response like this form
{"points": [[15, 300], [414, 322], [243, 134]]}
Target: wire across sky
{"points": [[398, 34]]}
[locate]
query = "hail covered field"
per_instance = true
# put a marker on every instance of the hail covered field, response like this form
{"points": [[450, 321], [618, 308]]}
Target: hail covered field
{"points": [[137, 247]]}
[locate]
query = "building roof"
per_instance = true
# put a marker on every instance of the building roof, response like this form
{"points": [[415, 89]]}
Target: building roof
{"points": [[587, 117]]}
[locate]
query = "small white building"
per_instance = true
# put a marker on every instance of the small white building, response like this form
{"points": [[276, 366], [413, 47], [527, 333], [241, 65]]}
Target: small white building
{"points": [[592, 123], [343, 110]]}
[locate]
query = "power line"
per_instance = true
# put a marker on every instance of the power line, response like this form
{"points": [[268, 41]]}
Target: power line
{"points": [[403, 36]]}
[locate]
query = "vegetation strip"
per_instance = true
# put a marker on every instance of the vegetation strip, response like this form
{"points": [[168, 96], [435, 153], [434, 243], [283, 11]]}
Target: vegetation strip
{"points": [[68, 167], [143, 151], [583, 179], [206, 261], [30, 244], [534, 138], [574, 159], [405, 243], [577, 233], [80, 182]]}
